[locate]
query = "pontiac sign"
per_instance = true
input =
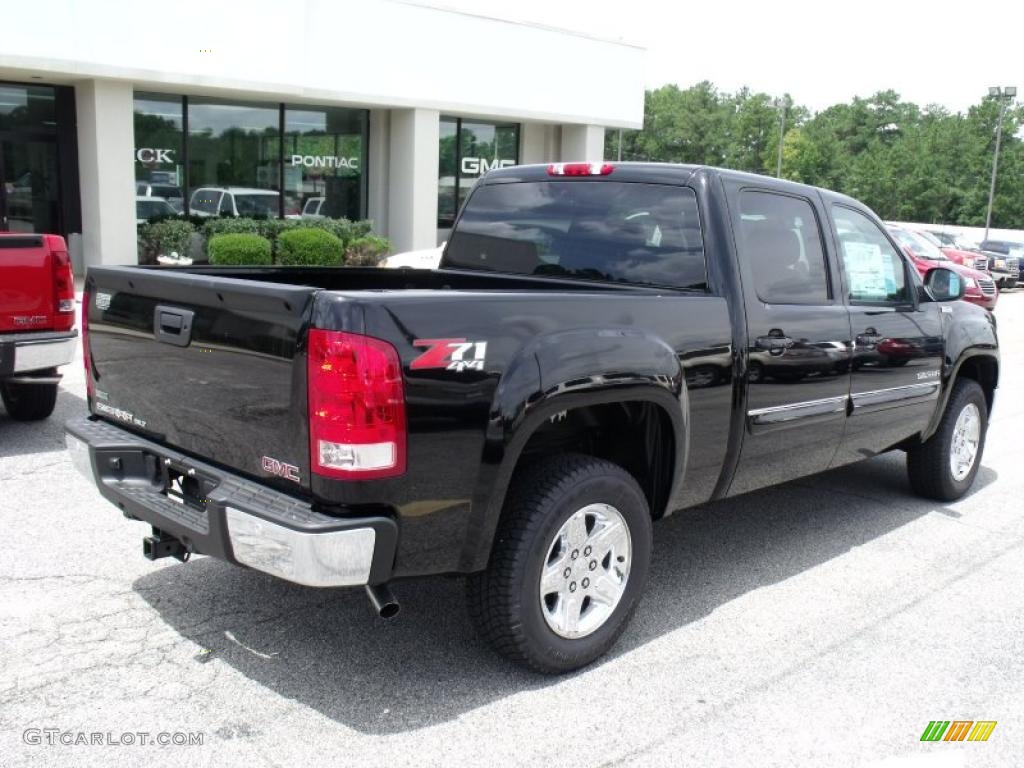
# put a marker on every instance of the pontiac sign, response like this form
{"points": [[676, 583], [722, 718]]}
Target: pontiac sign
{"points": [[326, 161]]}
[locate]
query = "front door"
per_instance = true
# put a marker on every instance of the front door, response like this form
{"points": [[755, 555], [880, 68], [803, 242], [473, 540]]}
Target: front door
{"points": [[798, 338], [29, 186], [898, 342]]}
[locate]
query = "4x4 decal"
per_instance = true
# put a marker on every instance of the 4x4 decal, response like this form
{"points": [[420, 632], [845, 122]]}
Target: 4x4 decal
{"points": [[450, 354]]}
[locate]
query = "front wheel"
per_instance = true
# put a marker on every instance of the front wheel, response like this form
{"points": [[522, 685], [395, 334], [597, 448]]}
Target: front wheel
{"points": [[944, 466], [29, 402], [569, 564]]}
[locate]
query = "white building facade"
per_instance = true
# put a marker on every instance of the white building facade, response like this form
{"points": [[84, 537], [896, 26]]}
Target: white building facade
{"points": [[379, 109]]}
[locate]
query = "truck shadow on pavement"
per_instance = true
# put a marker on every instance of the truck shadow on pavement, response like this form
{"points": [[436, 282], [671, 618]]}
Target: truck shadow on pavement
{"points": [[325, 650], [19, 438]]}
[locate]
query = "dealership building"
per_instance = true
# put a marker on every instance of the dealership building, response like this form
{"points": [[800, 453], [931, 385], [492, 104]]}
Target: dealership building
{"points": [[379, 109]]}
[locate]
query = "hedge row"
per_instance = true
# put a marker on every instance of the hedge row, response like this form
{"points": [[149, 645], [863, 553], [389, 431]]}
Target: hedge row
{"points": [[322, 242]]}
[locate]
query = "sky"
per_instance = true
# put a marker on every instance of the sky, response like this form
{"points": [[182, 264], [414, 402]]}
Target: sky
{"points": [[821, 53]]}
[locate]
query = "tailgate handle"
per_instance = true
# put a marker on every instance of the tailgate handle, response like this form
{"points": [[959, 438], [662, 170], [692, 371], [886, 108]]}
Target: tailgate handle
{"points": [[173, 326]]}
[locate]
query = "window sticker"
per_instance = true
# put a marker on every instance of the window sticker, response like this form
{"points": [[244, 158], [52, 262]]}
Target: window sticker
{"points": [[871, 275]]}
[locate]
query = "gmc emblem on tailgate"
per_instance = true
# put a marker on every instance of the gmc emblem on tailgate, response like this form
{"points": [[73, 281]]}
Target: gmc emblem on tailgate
{"points": [[280, 469]]}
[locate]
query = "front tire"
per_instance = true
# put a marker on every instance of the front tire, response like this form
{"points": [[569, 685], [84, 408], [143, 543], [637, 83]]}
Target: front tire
{"points": [[569, 564], [29, 402], [944, 466]]}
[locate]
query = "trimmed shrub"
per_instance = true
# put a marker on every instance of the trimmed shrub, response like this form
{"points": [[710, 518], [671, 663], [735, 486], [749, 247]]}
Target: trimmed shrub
{"points": [[239, 248], [163, 237], [366, 251], [309, 246]]}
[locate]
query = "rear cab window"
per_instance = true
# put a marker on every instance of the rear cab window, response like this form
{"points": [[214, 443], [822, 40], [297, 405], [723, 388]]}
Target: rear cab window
{"points": [[623, 232]]}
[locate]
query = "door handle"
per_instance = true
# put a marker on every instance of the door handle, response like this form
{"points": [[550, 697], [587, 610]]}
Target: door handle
{"points": [[776, 345], [172, 325]]}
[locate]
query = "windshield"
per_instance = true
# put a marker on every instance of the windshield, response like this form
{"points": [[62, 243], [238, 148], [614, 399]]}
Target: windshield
{"points": [[256, 205], [647, 234], [929, 237], [168, 192], [921, 248]]}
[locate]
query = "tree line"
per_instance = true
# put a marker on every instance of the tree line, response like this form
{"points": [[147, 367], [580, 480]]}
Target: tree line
{"points": [[907, 162]]}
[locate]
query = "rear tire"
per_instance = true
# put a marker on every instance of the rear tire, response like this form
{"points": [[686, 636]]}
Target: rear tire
{"points": [[29, 402], [560, 517], [944, 466]]}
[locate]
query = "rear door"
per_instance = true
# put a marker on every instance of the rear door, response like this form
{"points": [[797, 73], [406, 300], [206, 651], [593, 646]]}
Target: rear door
{"points": [[898, 343], [798, 337]]}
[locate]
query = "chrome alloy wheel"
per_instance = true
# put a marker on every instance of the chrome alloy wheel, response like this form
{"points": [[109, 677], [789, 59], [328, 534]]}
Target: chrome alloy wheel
{"points": [[585, 571], [966, 437]]}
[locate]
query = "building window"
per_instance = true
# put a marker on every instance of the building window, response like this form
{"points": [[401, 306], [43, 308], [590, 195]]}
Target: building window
{"points": [[27, 106], [324, 157], [159, 160], [38, 159], [207, 157], [470, 148], [234, 155]]}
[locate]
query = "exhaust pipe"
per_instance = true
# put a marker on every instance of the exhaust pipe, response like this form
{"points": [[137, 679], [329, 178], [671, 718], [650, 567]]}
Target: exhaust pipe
{"points": [[383, 602]]}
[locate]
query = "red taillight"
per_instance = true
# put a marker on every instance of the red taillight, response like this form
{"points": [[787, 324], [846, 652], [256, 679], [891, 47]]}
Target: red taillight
{"points": [[63, 284], [580, 169], [356, 406]]}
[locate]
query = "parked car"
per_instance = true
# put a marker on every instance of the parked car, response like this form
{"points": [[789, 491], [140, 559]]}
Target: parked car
{"points": [[965, 258], [521, 415], [979, 289], [37, 320], [171, 193], [234, 201], [1004, 260], [311, 210], [149, 208]]}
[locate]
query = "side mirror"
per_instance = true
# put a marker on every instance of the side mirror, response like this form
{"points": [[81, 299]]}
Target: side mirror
{"points": [[944, 284]]}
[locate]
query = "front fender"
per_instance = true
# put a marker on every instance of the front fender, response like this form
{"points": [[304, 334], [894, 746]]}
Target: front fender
{"points": [[972, 334], [562, 371]]}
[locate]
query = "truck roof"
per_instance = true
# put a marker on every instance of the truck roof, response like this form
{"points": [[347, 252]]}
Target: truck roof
{"points": [[666, 173]]}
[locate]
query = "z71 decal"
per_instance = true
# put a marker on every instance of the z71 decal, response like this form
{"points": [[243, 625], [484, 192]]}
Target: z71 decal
{"points": [[450, 354]]}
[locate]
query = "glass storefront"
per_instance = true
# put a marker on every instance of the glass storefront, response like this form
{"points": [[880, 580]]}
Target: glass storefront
{"points": [[211, 157], [159, 157], [324, 149], [470, 148], [38, 160]]}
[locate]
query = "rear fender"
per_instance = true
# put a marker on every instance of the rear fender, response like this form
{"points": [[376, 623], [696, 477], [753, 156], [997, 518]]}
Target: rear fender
{"points": [[560, 372]]}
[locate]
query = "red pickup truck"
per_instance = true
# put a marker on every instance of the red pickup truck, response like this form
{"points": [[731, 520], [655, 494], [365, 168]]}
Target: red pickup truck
{"points": [[37, 318], [980, 287]]}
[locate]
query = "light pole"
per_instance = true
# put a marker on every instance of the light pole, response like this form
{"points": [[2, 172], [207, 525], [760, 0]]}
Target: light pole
{"points": [[1005, 96], [780, 104]]}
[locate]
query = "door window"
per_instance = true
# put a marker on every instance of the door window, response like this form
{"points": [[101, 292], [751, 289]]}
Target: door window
{"points": [[874, 270], [780, 239]]}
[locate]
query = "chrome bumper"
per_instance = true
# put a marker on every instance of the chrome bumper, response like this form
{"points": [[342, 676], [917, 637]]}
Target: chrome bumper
{"points": [[25, 352]]}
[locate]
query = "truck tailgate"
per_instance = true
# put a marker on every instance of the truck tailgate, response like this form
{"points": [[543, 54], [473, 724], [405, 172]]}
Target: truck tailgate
{"points": [[208, 365], [26, 284]]}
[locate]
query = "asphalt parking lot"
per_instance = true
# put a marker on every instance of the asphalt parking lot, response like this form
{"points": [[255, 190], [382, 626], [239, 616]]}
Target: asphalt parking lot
{"points": [[824, 623]]}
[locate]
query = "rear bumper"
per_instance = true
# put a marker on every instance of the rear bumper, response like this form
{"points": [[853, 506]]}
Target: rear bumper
{"points": [[236, 519], [25, 352]]}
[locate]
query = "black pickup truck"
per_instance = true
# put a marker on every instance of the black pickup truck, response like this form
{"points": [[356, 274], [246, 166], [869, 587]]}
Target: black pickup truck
{"points": [[603, 344]]}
